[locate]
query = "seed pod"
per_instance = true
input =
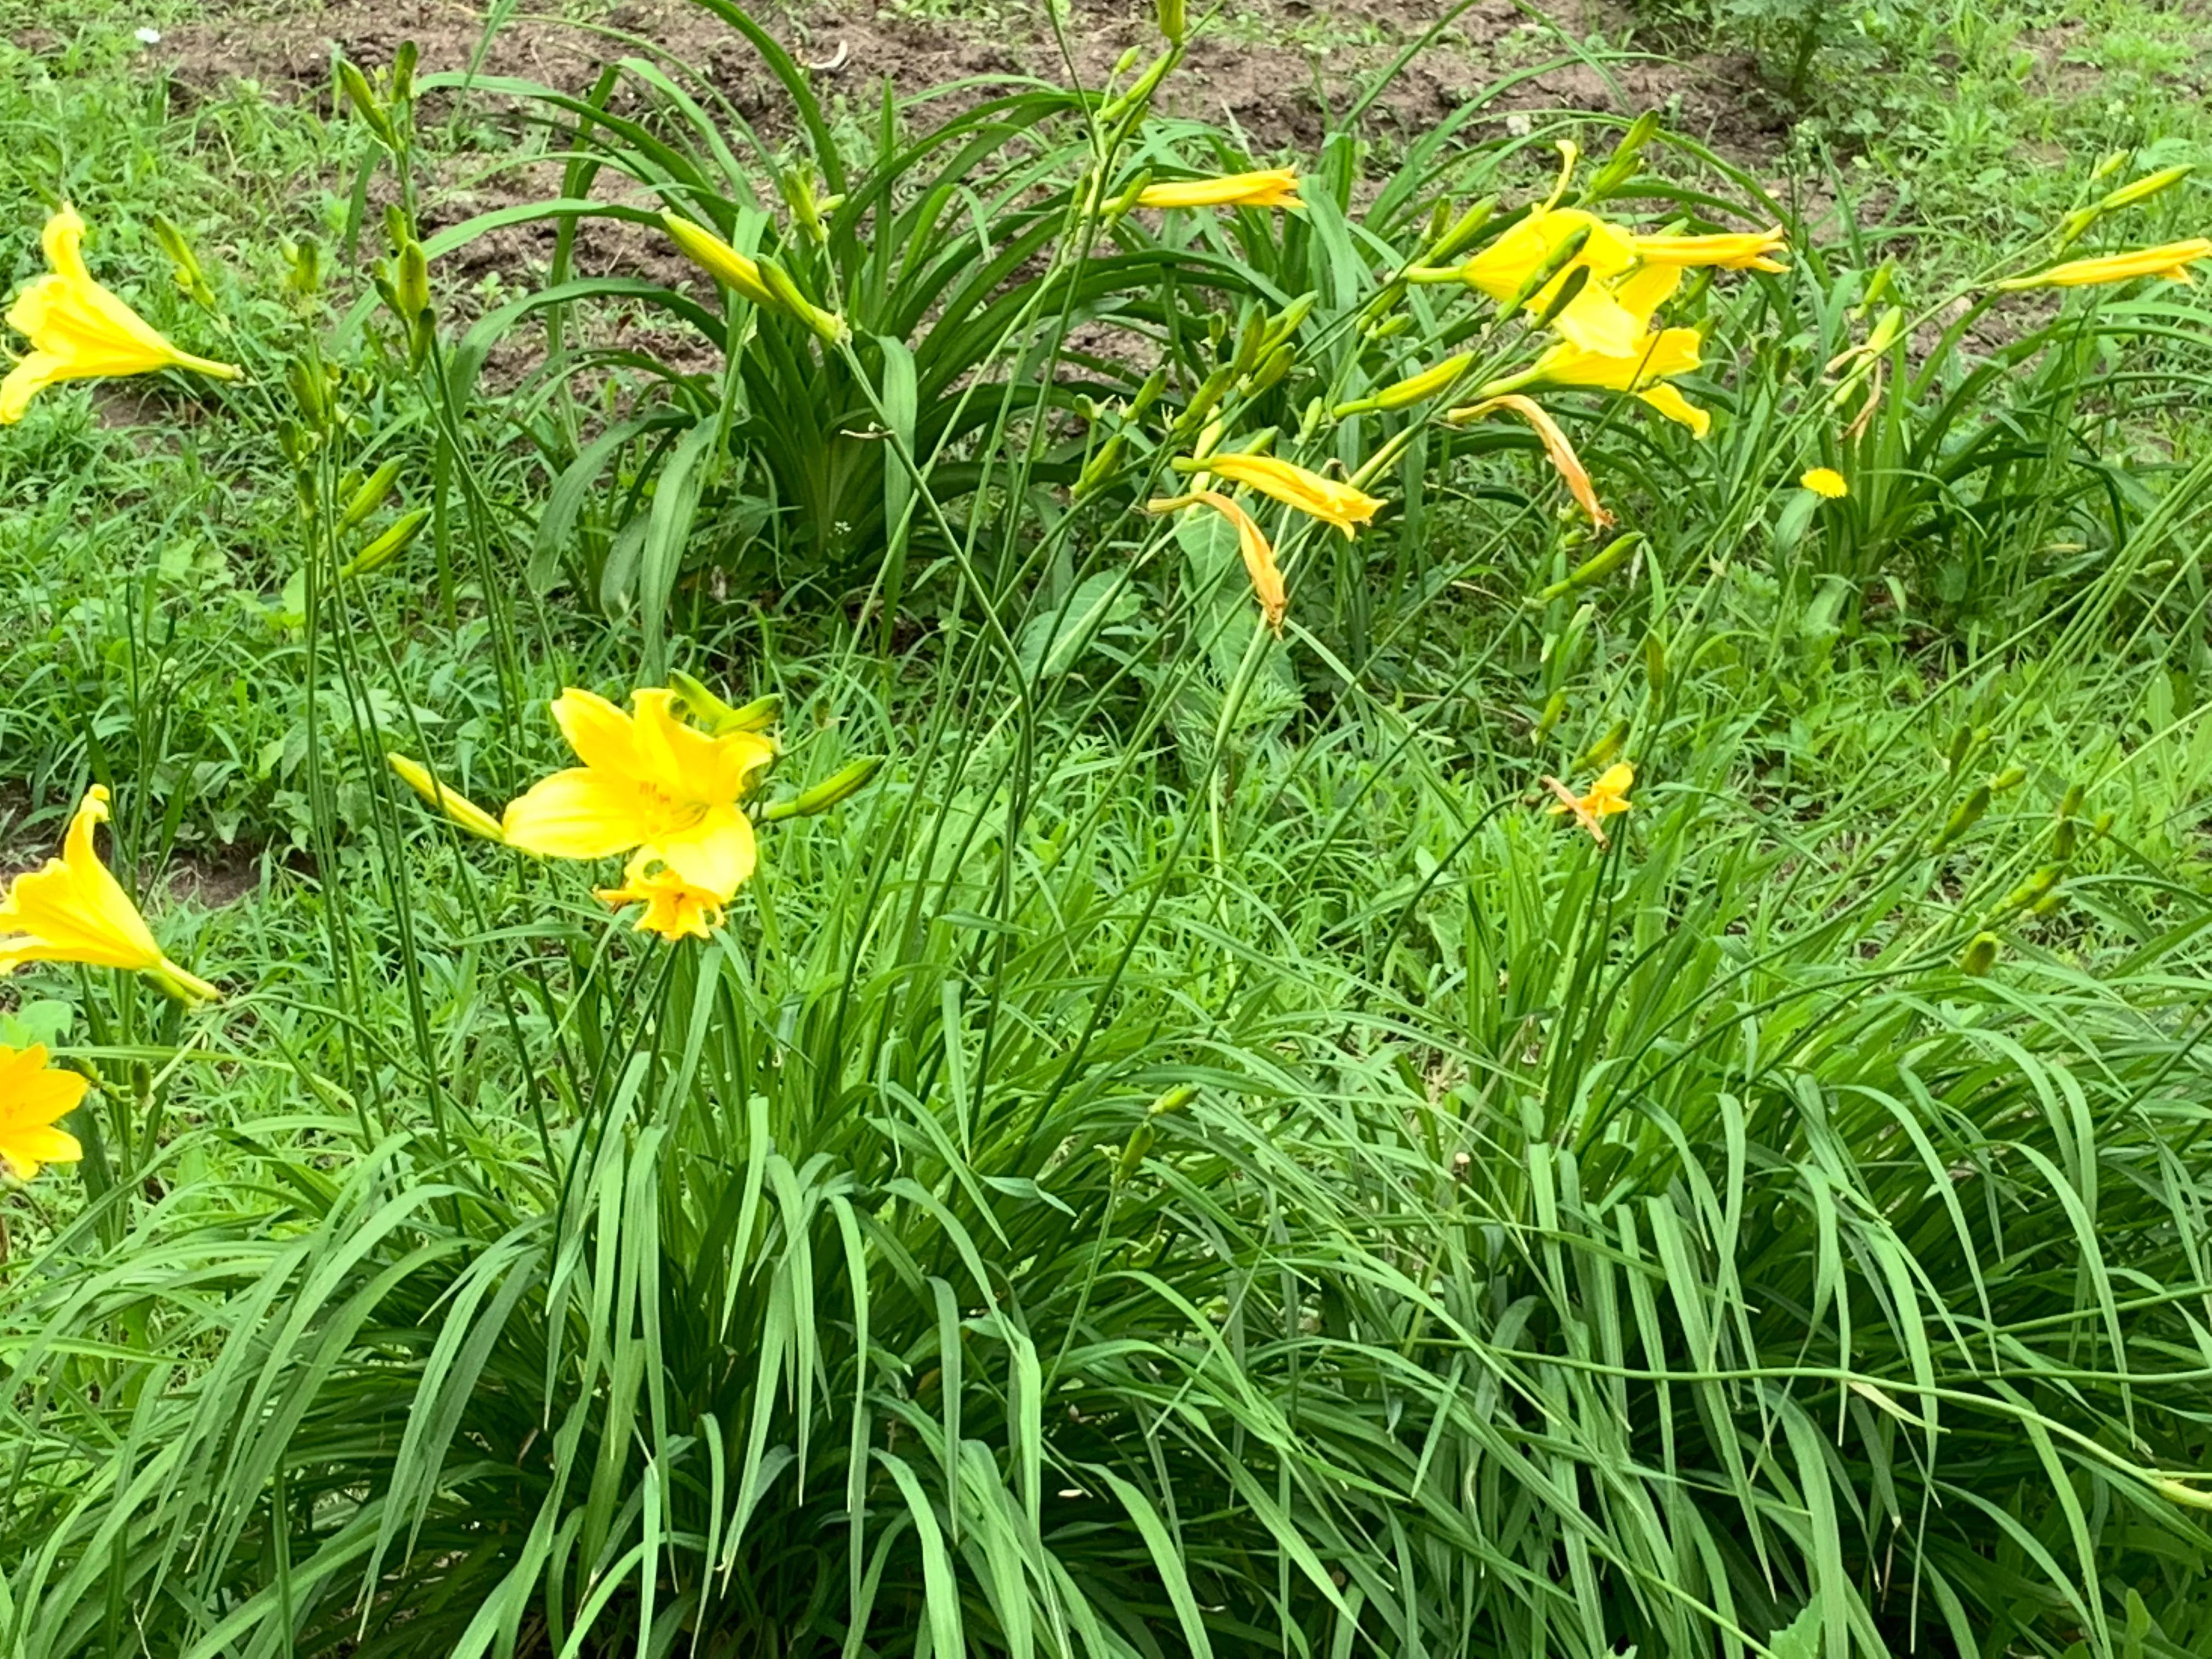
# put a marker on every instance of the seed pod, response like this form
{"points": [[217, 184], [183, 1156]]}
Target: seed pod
{"points": [[368, 496], [388, 546], [1980, 955]]}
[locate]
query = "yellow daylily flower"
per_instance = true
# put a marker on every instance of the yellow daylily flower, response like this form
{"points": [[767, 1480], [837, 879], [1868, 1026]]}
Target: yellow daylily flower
{"points": [[1826, 482], [79, 330], [1730, 251], [1509, 264], [1607, 796], [2170, 260], [74, 910], [1275, 187], [34, 1097], [1608, 318], [1259, 557], [452, 803], [673, 908], [1650, 360], [1317, 497], [651, 786], [1556, 446]]}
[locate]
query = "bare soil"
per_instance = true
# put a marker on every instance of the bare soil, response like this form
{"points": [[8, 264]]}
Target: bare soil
{"points": [[1273, 76]]}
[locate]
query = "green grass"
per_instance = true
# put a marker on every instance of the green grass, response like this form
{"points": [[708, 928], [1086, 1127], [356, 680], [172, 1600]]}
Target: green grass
{"points": [[1194, 1158]]}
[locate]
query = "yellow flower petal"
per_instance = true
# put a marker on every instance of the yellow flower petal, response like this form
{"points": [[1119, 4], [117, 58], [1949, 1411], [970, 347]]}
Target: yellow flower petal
{"points": [[1675, 407], [1317, 497], [1826, 481], [586, 813], [716, 854]]}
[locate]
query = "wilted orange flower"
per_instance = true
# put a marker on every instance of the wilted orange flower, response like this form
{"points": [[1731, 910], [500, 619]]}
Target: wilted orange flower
{"points": [[1258, 556], [1562, 453]]}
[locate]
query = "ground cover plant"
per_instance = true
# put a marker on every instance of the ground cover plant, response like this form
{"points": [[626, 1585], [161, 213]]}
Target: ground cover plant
{"points": [[1009, 879]]}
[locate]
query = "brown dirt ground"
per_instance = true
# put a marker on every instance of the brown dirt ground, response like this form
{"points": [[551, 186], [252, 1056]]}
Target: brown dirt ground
{"points": [[1263, 75]]}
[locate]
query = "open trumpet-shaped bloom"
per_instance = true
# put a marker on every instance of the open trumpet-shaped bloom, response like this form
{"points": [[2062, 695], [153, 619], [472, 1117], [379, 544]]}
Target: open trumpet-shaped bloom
{"points": [[75, 910], [1510, 264], [1333, 503], [1649, 361], [34, 1097], [79, 330], [650, 785], [1275, 187]]}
